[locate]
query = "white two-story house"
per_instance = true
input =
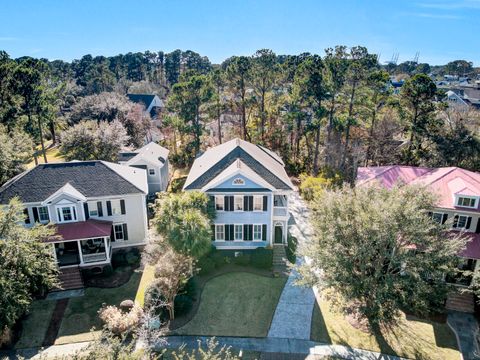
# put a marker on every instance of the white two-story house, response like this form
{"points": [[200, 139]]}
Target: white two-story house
{"points": [[154, 159], [250, 189], [96, 208], [458, 203]]}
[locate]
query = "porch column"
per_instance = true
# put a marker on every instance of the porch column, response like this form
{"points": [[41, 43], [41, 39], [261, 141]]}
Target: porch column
{"points": [[80, 252], [107, 248], [54, 252]]}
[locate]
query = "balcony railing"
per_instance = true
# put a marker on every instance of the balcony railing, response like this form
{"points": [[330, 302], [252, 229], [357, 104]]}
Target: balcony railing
{"points": [[280, 211]]}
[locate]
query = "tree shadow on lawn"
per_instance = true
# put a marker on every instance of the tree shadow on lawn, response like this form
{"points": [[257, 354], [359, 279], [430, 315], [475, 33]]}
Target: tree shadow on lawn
{"points": [[318, 329], [81, 314], [444, 336]]}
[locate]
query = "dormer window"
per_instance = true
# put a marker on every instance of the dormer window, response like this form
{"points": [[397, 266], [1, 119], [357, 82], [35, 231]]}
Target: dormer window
{"points": [[66, 213], [466, 201], [238, 181]]}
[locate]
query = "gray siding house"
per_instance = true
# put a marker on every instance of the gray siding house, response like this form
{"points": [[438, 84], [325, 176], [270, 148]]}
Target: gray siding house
{"points": [[96, 208], [154, 159], [251, 190]]}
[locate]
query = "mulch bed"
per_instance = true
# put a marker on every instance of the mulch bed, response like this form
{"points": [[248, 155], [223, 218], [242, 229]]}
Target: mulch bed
{"points": [[55, 322], [179, 321], [119, 277]]}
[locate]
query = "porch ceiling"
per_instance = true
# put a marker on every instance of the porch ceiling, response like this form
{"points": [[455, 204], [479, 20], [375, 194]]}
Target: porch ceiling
{"points": [[81, 230]]}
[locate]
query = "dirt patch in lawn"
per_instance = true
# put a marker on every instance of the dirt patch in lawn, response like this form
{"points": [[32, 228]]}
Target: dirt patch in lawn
{"points": [[55, 322]]}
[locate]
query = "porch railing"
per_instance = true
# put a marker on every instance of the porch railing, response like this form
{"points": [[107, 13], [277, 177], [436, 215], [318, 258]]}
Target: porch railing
{"points": [[89, 258]]}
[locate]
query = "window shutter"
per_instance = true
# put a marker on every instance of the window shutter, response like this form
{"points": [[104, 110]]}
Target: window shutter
{"points": [[122, 206], [455, 221], [99, 208], [469, 222], [230, 200], [109, 208], [226, 204], [265, 201], [250, 232], [444, 218], [35, 215], [264, 232], [213, 232], [85, 209], [245, 231], [112, 234], [27, 216], [232, 232], [125, 232], [226, 228], [477, 230], [245, 203], [250, 203], [430, 214]]}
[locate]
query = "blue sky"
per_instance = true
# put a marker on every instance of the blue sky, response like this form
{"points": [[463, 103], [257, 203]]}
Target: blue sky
{"points": [[441, 30]]}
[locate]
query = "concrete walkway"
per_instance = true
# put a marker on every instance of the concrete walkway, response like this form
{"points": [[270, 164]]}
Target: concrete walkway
{"points": [[293, 315], [279, 345], [466, 329]]}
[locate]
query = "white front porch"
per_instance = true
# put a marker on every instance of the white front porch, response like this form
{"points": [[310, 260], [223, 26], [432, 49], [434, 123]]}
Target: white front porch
{"points": [[83, 252]]}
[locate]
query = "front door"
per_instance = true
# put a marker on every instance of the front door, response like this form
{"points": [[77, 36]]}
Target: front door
{"points": [[278, 235]]}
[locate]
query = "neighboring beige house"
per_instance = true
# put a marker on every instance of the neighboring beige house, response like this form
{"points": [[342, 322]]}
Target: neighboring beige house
{"points": [[97, 208]]}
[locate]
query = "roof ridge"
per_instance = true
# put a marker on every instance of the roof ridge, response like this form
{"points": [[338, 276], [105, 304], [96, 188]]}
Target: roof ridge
{"points": [[467, 173], [452, 168], [17, 177], [266, 152]]}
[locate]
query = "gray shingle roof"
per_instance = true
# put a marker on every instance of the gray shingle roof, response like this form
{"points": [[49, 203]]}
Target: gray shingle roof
{"points": [[264, 162], [91, 178], [144, 99]]}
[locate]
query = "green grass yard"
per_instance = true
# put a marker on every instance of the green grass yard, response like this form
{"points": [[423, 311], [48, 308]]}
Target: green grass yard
{"points": [[236, 304], [82, 312], [35, 325], [413, 338]]}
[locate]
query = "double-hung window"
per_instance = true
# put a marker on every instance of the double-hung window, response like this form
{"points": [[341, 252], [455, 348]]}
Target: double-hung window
{"points": [[437, 217], [238, 232], [66, 213], [43, 214], [257, 203], [92, 208], [238, 205], [219, 232], [120, 232], [219, 203], [461, 222], [257, 232]]}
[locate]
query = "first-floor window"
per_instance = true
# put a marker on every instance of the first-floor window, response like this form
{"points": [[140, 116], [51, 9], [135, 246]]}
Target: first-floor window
{"points": [[437, 217], [120, 232], [257, 232], [238, 232], [461, 221], [219, 232], [43, 214]]}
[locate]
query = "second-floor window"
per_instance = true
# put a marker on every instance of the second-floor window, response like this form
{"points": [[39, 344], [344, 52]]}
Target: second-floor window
{"points": [[238, 203], [466, 201], [258, 203], [43, 214], [219, 201], [66, 213]]}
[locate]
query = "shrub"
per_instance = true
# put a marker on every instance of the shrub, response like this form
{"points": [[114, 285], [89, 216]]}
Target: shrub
{"points": [[191, 288], [262, 258], [107, 270], [243, 259], [206, 265], [119, 322], [176, 185], [182, 304], [218, 259], [312, 187], [292, 243], [118, 258], [132, 258]]}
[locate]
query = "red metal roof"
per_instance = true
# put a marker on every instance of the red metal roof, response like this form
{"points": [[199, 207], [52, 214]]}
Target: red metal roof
{"points": [[82, 230], [472, 249]]}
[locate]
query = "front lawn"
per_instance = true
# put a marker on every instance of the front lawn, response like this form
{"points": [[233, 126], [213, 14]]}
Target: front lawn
{"points": [[236, 304], [413, 338], [82, 312], [35, 325]]}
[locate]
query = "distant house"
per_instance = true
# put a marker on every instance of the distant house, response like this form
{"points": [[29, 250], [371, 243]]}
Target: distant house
{"points": [[456, 101], [458, 193], [152, 103], [96, 208], [396, 86], [251, 191], [154, 159]]}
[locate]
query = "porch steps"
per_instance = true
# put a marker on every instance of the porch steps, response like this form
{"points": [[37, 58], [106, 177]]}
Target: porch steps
{"points": [[279, 260], [70, 278], [463, 302]]}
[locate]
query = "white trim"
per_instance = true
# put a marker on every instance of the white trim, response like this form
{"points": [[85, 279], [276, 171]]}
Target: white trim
{"points": [[60, 216], [256, 197], [223, 231], [235, 233], [115, 233], [48, 214], [469, 197]]}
